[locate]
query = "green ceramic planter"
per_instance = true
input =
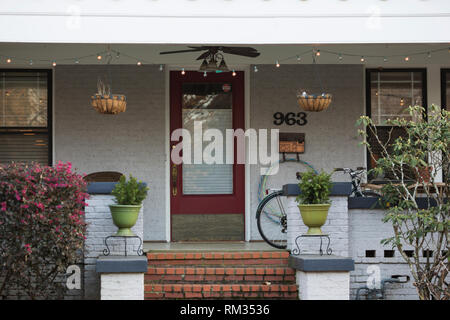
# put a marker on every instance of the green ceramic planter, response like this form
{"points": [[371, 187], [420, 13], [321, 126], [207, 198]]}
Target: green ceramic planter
{"points": [[314, 217], [124, 217]]}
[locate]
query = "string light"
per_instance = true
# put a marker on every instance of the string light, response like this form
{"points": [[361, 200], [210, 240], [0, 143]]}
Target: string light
{"points": [[183, 72], [139, 63], [277, 64], [255, 69], [8, 60], [299, 58], [317, 53], [362, 59], [99, 57], [77, 61], [30, 62], [233, 73], [205, 74], [340, 57], [54, 63], [385, 59], [429, 55], [406, 58], [161, 68]]}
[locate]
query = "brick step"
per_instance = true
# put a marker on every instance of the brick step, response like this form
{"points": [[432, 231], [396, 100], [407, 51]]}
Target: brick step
{"points": [[279, 258], [200, 274], [220, 291]]}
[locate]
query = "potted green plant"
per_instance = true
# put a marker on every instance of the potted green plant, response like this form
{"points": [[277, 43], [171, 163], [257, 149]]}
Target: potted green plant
{"points": [[129, 196], [313, 200]]}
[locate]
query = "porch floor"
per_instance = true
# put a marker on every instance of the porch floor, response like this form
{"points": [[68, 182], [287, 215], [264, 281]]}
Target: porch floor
{"points": [[207, 246]]}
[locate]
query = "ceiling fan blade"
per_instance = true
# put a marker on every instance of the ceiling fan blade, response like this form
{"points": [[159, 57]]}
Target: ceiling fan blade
{"points": [[204, 55], [180, 51], [252, 54]]}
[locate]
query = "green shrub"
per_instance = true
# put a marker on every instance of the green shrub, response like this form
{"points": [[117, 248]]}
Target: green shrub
{"points": [[315, 188], [41, 228], [129, 192]]}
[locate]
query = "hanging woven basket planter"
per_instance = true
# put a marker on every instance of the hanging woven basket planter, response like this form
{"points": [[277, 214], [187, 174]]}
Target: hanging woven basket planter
{"points": [[313, 103], [109, 104]]}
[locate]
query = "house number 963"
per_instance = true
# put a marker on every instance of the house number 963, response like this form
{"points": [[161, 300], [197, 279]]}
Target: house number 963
{"points": [[290, 118]]}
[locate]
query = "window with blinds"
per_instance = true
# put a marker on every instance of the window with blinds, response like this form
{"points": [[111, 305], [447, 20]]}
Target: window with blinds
{"points": [[25, 110], [445, 88], [389, 92]]}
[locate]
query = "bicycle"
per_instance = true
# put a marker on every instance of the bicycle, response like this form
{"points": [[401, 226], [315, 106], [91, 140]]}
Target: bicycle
{"points": [[271, 215], [356, 177]]}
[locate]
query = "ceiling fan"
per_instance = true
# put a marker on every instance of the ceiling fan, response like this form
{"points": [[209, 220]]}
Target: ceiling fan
{"points": [[213, 55]]}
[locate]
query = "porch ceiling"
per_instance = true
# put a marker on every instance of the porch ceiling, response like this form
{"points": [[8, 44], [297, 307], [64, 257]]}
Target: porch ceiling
{"points": [[43, 54], [225, 21]]}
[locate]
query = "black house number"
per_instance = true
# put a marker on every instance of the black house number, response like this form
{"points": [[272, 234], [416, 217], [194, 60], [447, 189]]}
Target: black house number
{"points": [[290, 118]]}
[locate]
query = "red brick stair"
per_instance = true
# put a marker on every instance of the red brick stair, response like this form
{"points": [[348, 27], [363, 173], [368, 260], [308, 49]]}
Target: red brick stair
{"points": [[219, 275]]}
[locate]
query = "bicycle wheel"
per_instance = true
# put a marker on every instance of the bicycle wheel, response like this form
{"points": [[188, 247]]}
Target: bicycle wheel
{"points": [[272, 220]]}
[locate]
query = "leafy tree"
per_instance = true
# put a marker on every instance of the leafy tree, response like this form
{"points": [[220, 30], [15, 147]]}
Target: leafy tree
{"points": [[424, 150]]}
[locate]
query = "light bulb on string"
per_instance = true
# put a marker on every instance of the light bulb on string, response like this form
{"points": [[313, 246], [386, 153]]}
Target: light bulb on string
{"points": [[277, 64], [299, 58], [139, 63], [99, 57], [54, 63], [255, 69], [233, 73], [317, 53], [429, 55], [183, 72], [406, 58], [77, 61], [161, 68], [362, 59], [8, 60], [385, 59], [205, 74], [30, 62], [340, 57]]}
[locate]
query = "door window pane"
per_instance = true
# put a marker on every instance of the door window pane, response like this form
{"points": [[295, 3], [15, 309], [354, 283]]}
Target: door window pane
{"points": [[211, 105]]}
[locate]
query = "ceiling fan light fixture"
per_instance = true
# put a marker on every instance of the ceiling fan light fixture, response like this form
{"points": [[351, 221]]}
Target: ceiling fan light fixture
{"points": [[212, 65], [223, 66], [204, 65]]}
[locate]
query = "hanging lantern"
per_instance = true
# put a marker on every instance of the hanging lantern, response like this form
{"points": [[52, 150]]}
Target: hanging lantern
{"points": [[314, 102]]}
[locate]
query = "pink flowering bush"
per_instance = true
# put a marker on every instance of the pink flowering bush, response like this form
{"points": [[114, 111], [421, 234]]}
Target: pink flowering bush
{"points": [[41, 228]]}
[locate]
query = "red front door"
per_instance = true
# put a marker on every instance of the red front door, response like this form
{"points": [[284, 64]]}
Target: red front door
{"points": [[207, 199]]}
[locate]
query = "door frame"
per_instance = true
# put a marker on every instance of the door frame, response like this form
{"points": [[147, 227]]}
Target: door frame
{"points": [[247, 205]]}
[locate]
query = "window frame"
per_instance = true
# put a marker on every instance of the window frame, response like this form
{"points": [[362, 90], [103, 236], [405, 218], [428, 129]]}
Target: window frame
{"points": [[444, 73], [49, 127], [423, 72]]}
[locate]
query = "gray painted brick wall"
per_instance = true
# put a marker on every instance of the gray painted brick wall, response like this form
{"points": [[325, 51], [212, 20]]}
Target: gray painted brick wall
{"points": [[130, 142]]}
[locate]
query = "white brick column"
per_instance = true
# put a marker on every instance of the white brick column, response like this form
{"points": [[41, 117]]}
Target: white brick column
{"points": [[122, 278], [122, 286], [99, 226], [323, 285], [324, 277]]}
